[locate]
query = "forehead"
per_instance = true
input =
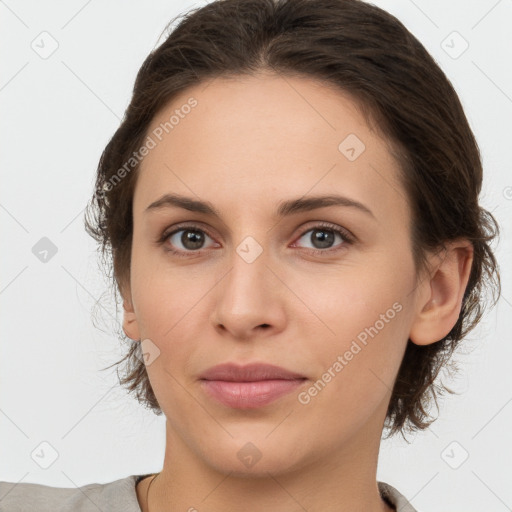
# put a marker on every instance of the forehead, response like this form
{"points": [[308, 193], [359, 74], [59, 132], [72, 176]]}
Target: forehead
{"points": [[257, 137]]}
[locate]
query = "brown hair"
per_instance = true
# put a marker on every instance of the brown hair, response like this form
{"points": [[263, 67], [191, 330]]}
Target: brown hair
{"points": [[367, 53]]}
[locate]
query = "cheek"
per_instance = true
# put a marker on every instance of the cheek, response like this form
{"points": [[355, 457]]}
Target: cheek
{"points": [[163, 295], [358, 365], [346, 301], [364, 324], [167, 309]]}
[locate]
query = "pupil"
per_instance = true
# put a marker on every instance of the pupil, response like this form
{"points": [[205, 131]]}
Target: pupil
{"points": [[324, 238], [192, 239]]}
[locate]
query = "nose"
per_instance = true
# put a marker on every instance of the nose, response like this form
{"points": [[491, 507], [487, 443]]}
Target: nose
{"points": [[250, 297]]}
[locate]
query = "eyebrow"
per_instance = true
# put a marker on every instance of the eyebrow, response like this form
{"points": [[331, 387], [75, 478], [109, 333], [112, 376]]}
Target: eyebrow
{"points": [[285, 208]]}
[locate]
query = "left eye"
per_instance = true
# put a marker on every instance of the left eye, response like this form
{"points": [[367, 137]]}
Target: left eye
{"points": [[323, 238]]}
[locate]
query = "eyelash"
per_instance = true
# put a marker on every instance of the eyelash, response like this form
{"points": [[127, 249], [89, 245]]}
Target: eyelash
{"points": [[347, 237]]}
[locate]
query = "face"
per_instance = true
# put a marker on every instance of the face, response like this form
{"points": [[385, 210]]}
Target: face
{"points": [[324, 290]]}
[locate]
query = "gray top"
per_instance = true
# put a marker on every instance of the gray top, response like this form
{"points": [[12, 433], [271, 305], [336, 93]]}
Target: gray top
{"points": [[117, 496]]}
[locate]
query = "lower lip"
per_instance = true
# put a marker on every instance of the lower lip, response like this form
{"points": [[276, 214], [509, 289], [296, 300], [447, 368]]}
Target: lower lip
{"points": [[249, 395]]}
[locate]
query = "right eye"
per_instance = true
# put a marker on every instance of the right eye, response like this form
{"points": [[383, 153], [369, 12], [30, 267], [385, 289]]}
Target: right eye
{"points": [[191, 238]]}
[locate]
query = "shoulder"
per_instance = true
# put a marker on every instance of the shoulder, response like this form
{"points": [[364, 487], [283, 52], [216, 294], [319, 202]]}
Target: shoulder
{"points": [[119, 495], [390, 494]]}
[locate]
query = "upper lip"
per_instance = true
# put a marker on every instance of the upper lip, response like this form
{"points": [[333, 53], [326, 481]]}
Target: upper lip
{"points": [[248, 373]]}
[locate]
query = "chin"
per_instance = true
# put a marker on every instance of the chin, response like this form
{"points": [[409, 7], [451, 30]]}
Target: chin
{"points": [[244, 458], [261, 469]]}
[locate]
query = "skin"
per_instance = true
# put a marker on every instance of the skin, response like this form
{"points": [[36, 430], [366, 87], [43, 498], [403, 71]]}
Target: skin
{"points": [[249, 144]]}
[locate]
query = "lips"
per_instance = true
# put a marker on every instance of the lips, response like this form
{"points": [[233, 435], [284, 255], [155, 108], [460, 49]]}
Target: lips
{"points": [[250, 386], [249, 373]]}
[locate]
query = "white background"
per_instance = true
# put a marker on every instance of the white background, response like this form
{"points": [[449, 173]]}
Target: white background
{"points": [[58, 114]]}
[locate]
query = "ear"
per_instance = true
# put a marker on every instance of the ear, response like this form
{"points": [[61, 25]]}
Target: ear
{"points": [[130, 324], [441, 293]]}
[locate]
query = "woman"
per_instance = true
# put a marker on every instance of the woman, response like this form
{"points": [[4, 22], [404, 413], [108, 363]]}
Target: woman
{"points": [[291, 208]]}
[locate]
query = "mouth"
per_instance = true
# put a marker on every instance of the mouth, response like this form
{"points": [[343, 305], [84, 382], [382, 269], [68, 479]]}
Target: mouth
{"points": [[249, 395], [250, 386]]}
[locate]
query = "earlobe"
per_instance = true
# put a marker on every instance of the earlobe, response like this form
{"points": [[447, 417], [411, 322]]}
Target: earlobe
{"points": [[130, 324], [440, 296]]}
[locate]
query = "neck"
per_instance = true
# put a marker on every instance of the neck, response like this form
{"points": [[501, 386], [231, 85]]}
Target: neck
{"points": [[341, 481]]}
